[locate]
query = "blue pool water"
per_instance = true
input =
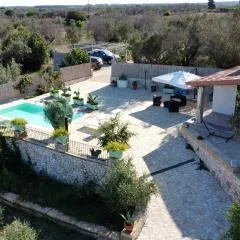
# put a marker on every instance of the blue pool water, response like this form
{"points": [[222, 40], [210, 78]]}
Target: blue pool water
{"points": [[32, 113]]}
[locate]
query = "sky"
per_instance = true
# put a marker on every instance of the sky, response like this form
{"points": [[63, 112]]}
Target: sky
{"points": [[83, 2]]}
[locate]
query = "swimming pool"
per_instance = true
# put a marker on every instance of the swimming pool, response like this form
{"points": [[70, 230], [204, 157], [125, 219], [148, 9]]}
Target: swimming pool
{"points": [[31, 112]]}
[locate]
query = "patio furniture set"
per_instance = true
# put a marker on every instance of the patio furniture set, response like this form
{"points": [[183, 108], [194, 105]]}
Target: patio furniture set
{"points": [[173, 105]]}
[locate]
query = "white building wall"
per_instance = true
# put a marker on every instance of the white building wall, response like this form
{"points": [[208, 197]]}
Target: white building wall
{"points": [[224, 99]]}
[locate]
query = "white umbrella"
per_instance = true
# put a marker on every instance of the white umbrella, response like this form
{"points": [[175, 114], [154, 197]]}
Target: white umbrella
{"points": [[177, 79]]}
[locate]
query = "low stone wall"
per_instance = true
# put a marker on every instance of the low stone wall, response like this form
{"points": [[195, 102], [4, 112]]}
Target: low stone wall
{"points": [[217, 162], [61, 166], [76, 72], [58, 217]]}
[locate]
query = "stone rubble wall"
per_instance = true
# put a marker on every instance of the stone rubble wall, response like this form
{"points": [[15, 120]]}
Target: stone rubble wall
{"points": [[62, 166], [218, 163]]}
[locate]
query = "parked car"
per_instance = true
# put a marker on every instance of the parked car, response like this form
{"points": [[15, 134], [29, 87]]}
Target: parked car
{"points": [[96, 62], [105, 55]]}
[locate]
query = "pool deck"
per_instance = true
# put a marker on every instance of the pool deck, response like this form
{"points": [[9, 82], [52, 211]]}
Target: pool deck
{"points": [[190, 204]]}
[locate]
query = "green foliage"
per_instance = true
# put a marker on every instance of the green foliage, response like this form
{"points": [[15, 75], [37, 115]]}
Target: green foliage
{"points": [[52, 78], [123, 77], [76, 16], [233, 216], [113, 130], [55, 90], [77, 95], [80, 201], [128, 218], [116, 146], [60, 132], [24, 82], [40, 90], [211, 4], [26, 47], [76, 56], [19, 231], [10, 73], [32, 13], [66, 91], [123, 190], [56, 111], [9, 12], [167, 14], [19, 122], [92, 100], [235, 122]]}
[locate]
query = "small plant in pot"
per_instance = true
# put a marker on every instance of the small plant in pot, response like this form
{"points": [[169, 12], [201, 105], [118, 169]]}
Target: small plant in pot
{"points": [[92, 102], [116, 149], [128, 222], [54, 92], [122, 82], [66, 93], [60, 135], [77, 100], [19, 124], [134, 85]]}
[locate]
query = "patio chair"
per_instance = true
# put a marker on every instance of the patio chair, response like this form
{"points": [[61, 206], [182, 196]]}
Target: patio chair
{"points": [[218, 125], [157, 100], [181, 99], [173, 106]]}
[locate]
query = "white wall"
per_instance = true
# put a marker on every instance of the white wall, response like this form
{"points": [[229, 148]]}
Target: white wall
{"points": [[224, 99]]}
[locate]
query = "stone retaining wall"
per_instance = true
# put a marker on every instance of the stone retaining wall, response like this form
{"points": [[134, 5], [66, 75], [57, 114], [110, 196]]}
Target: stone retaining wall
{"points": [[61, 166], [217, 162], [58, 217]]}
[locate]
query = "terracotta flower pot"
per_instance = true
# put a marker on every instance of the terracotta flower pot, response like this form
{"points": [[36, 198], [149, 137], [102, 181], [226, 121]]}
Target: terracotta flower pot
{"points": [[128, 227]]}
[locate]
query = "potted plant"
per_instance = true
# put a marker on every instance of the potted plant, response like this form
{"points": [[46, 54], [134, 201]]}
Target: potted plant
{"points": [[77, 100], [168, 89], [92, 102], [135, 85], [54, 92], [60, 135], [122, 82], [116, 149], [19, 124], [66, 93], [95, 153], [128, 222]]}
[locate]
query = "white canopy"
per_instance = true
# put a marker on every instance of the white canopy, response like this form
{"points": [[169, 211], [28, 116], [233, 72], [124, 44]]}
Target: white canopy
{"points": [[176, 79]]}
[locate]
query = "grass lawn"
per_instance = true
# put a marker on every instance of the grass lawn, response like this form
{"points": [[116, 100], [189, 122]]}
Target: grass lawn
{"points": [[46, 230]]}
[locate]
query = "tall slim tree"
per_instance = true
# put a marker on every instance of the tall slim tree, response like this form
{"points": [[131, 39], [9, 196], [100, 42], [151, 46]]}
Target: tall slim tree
{"points": [[211, 4]]}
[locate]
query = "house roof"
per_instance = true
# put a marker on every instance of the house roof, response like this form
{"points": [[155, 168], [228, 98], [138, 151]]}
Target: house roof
{"points": [[226, 77]]}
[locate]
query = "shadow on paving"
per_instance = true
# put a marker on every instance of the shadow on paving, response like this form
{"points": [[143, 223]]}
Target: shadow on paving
{"points": [[159, 116], [194, 198]]}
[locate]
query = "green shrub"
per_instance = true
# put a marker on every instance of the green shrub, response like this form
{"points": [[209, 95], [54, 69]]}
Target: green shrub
{"points": [[116, 146], [113, 130], [19, 231], [56, 111], [19, 122], [60, 132], [75, 57], [91, 99], [123, 77], [24, 83], [55, 90], [233, 216], [124, 190]]}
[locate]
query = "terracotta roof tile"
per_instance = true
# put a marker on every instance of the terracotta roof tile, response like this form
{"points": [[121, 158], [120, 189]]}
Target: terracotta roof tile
{"points": [[227, 77]]}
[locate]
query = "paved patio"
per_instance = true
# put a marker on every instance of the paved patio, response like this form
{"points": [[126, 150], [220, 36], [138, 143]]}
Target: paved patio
{"points": [[190, 203]]}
